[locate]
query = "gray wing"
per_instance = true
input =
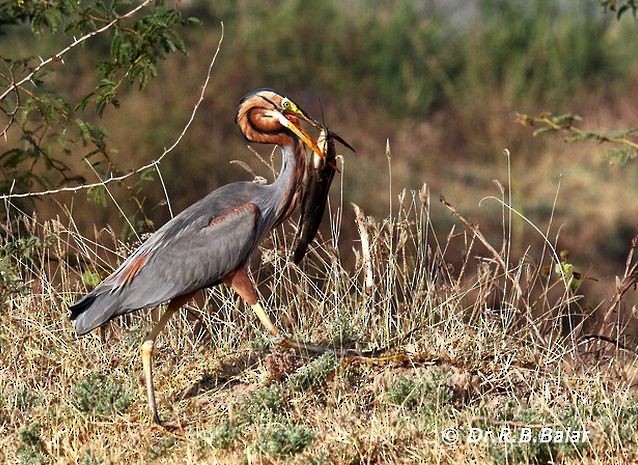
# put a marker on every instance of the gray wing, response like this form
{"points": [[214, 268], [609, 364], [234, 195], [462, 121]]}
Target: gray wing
{"points": [[194, 250], [191, 259]]}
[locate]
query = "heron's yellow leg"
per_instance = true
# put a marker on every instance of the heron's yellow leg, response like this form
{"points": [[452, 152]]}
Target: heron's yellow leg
{"points": [[147, 353], [265, 319], [241, 283], [281, 339]]}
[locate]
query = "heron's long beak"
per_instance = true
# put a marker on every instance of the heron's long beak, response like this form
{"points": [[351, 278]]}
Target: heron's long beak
{"points": [[298, 112], [294, 126]]}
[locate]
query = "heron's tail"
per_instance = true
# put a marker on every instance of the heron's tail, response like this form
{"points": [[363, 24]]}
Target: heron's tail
{"points": [[93, 310]]}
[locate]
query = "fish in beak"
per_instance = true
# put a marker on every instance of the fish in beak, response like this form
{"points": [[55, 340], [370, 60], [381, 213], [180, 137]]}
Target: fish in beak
{"points": [[315, 191]]}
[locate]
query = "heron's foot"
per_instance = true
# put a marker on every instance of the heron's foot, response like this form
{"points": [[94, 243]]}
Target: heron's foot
{"points": [[168, 426], [286, 342], [373, 356]]}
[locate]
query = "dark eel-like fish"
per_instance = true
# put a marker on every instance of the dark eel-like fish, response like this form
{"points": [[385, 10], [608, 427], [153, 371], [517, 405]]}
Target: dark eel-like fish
{"points": [[320, 173]]}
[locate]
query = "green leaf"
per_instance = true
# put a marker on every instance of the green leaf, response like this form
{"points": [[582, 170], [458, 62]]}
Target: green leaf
{"points": [[147, 175], [584, 136], [91, 279], [573, 277], [81, 105], [106, 95], [193, 21], [91, 134], [619, 156], [97, 194]]}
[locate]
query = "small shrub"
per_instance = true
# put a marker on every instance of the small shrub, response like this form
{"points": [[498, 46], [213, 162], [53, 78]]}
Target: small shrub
{"points": [[343, 331], [30, 435], [10, 281], [429, 394], [23, 399], [263, 404], [618, 421], [314, 374], [539, 451], [101, 395], [29, 451], [91, 459], [284, 440], [320, 458], [29, 456], [224, 435], [162, 447], [404, 392]]}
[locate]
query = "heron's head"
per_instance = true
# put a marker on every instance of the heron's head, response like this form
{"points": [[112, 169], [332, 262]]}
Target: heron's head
{"points": [[266, 117]]}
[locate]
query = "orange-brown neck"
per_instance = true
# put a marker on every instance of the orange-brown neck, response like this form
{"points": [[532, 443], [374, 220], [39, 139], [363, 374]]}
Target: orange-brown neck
{"points": [[258, 127], [258, 119]]}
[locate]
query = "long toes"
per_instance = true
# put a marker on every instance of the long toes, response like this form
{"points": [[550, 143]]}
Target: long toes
{"points": [[302, 347], [170, 426], [284, 342]]}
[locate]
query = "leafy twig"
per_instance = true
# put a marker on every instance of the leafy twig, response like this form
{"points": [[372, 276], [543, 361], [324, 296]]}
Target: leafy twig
{"points": [[58, 56], [624, 139], [152, 164]]}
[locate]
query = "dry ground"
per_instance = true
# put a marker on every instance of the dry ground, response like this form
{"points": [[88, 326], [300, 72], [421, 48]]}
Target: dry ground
{"points": [[496, 344]]}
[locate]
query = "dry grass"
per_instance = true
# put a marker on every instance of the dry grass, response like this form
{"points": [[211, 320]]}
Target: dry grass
{"points": [[495, 343]]}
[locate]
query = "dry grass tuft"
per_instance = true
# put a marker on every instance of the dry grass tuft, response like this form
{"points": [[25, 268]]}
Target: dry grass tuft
{"points": [[499, 342]]}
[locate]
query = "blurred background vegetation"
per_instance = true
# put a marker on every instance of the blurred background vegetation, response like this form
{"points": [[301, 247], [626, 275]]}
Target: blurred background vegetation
{"points": [[442, 81]]}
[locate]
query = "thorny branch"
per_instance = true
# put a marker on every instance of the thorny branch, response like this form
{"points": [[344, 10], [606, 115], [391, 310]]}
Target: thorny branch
{"points": [[624, 140], [153, 164], [58, 56], [11, 114]]}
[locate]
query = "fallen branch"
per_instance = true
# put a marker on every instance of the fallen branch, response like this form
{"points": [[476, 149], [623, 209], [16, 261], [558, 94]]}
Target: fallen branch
{"points": [[609, 340]]}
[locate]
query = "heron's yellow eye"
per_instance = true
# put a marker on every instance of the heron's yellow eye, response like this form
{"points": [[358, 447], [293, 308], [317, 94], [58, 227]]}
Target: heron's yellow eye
{"points": [[289, 106]]}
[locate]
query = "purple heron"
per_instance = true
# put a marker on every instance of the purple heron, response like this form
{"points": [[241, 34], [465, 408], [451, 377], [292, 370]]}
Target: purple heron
{"points": [[211, 241]]}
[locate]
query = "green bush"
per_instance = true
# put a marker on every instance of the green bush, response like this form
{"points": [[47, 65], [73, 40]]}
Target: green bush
{"points": [[261, 405], [224, 435], [429, 394], [101, 395], [29, 452], [314, 374], [284, 440]]}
